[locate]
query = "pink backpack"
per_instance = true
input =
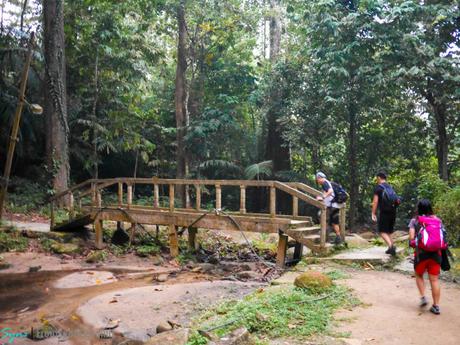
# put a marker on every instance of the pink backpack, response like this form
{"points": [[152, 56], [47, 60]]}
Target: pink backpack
{"points": [[430, 236]]}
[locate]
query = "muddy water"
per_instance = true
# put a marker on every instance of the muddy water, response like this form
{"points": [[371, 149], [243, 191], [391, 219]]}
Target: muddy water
{"points": [[30, 300]]}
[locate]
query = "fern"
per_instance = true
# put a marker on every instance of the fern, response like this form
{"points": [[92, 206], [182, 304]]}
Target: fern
{"points": [[255, 171]]}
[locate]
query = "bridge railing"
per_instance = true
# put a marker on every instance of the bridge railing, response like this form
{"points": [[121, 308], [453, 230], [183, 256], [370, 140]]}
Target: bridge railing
{"points": [[89, 193]]}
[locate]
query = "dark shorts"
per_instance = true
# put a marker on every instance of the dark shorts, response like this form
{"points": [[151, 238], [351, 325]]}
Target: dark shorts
{"points": [[386, 222], [333, 216]]}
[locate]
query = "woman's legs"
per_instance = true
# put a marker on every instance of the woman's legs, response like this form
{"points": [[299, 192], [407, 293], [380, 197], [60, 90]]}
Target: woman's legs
{"points": [[420, 284], [435, 288]]}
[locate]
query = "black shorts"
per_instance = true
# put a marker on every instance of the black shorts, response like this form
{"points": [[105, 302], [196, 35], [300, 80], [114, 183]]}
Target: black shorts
{"points": [[333, 216], [386, 222]]}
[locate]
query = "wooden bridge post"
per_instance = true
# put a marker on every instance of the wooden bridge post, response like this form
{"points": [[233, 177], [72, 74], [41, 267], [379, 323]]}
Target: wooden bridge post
{"points": [[71, 206], [52, 219], [198, 197], [99, 198], [242, 199], [93, 195], [323, 224], [192, 239], [173, 241], [98, 226], [187, 197], [282, 249], [272, 201], [129, 195], [342, 220], [120, 194], [295, 206], [218, 197], [156, 196], [171, 198]]}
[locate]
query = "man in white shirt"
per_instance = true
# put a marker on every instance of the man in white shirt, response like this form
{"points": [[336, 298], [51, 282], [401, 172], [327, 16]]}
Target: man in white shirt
{"points": [[332, 207]]}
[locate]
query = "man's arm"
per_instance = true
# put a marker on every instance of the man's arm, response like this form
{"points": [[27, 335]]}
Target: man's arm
{"points": [[375, 203]]}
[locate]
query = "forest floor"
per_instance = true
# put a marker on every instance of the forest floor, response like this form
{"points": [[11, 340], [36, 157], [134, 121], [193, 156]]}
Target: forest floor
{"points": [[132, 295]]}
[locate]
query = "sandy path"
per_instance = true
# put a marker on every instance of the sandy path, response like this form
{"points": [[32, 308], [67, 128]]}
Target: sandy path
{"points": [[392, 315]]}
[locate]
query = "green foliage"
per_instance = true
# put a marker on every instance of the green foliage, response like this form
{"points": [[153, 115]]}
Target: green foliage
{"points": [[12, 241], [279, 311], [147, 250], [447, 207]]}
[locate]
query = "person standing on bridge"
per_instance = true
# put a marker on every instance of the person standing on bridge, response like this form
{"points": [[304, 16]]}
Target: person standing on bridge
{"points": [[333, 207], [386, 201]]}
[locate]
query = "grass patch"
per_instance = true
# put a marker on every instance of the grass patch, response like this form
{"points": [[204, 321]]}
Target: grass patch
{"points": [[278, 312], [12, 241], [147, 250]]}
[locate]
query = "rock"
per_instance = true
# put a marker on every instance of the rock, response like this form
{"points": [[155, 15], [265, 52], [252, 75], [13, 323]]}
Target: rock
{"points": [[240, 336], [397, 234], [368, 235], [313, 280], [214, 259], [34, 268], [171, 337], [162, 277], [156, 260], [356, 240], [163, 327], [207, 268], [4, 265], [96, 256], [65, 248], [245, 267], [31, 234], [247, 275]]}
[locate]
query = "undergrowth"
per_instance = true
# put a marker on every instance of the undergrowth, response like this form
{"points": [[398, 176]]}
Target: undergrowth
{"points": [[277, 312]]}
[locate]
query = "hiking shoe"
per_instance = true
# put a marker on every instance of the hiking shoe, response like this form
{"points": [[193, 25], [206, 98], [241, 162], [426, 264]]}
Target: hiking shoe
{"points": [[392, 251], [337, 240], [423, 302], [388, 250], [435, 309]]}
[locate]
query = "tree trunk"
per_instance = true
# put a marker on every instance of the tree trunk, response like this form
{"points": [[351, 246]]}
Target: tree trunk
{"points": [[55, 94], [181, 101], [442, 140], [277, 150], [94, 115], [352, 159], [24, 6]]}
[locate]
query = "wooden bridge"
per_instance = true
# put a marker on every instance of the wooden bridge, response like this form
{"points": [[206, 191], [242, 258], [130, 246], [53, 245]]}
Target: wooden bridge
{"points": [[98, 200]]}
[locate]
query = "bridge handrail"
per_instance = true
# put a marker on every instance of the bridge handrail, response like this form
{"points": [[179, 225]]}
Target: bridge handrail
{"points": [[298, 191]]}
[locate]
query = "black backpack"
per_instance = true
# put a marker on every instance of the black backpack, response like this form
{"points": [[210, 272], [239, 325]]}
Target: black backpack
{"points": [[340, 195], [390, 200]]}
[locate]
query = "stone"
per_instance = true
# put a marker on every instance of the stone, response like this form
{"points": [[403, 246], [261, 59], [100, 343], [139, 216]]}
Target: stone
{"points": [[173, 337], [4, 265], [96, 256], [156, 260], [247, 275], [34, 268], [207, 268], [313, 280], [162, 277], [65, 248], [374, 255], [368, 235], [356, 240], [397, 234], [240, 336], [163, 327]]}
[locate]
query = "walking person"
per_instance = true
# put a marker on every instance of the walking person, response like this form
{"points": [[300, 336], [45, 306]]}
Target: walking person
{"points": [[334, 202], [426, 235], [386, 202]]}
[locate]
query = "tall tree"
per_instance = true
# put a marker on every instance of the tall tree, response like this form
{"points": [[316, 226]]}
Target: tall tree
{"points": [[180, 98], [277, 149], [57, 136]]}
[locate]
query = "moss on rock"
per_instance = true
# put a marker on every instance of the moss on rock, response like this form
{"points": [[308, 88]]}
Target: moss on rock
{"points": [[65, 248], [314, 281]]}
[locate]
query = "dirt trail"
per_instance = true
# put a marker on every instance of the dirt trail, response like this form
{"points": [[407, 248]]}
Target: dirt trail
{"points": [[391, 314]]}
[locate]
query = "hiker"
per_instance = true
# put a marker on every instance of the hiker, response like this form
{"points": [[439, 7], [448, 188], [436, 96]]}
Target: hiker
{"points": [[386, 201], [426, 235], [333, 199]]}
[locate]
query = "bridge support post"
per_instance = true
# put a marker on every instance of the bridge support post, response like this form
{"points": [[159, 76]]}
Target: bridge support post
{"points": [[192, 239], [323, 234], [173, 241], [98, 226], [298, 251], [282, 249]]}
